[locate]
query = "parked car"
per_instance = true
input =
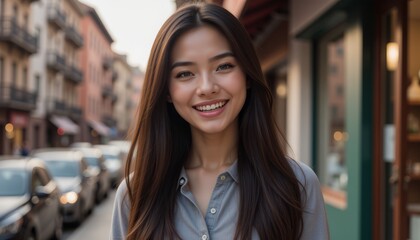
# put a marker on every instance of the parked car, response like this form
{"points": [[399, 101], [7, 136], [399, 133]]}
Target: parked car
{"points": [[96, 163], [81, 144], [124, 147], [113, 161], [76, 182], [29, 200]]}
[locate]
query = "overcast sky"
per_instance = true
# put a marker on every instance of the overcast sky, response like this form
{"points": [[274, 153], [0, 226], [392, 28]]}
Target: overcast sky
{"points": [[133, 24]]}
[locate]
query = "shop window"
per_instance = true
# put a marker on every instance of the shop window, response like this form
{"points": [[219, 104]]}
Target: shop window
{"points": [[331, 118]]}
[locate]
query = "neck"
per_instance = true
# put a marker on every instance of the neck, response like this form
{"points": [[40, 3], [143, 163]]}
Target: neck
{"points": [[213, 151]]}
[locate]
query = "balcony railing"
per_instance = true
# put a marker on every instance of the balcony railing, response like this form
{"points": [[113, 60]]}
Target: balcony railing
{"points": [[62, 108], [107, 91], [14, 97], [114, 75], [55, 61], [58, 107], [108, 120], [55, 16], [107, 62], [11, 32], [76, 112], [73, 36], [74, 74]]}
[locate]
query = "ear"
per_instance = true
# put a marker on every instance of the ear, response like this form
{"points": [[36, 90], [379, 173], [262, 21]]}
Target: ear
{"points": [[168, 98]]}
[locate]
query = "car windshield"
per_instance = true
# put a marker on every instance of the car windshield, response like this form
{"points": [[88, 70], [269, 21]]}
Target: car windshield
{"points": [[111, 157], [92, 161], [63, 168], [13, 182]]}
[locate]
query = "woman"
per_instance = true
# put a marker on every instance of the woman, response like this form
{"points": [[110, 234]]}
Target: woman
{"points": [[209, 160]]}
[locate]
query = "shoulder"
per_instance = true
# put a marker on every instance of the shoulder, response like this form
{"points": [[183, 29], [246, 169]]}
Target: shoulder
{"points": [[122, 200], [121, 212], [304, 174], [315, 223]]}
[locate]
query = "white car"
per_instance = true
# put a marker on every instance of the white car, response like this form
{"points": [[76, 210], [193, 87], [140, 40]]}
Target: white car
{"points": [[114, 159]]}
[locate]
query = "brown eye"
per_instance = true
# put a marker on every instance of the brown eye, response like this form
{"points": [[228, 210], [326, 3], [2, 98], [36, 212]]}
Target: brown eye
{"points": [[183, 75], [224, 67]]}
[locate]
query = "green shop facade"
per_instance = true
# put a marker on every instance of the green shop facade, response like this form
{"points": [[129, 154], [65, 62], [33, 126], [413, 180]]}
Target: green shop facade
{"points": [[352, 90]]}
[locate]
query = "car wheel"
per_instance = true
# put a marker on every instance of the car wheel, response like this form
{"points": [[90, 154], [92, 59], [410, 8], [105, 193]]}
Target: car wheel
{"points": [[98, 197], [58, 230], [82, 213]]}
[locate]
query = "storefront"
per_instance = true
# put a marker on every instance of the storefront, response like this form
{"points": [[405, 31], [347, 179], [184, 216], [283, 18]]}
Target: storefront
{"points": [[397, 104], [14, 131], [62, 131], [365, 111], [98, 132]]}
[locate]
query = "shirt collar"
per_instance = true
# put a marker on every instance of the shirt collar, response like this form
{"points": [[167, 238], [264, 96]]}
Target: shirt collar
{"points": [[232, 171]]}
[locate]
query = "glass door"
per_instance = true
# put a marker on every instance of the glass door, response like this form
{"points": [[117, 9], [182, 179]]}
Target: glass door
{"points": [[387, 167], [412, 176], [392, 182]]}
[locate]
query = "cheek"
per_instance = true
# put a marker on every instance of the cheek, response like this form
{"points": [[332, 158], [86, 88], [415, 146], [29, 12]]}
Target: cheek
{"points": [[240, 84], [178, 96]]}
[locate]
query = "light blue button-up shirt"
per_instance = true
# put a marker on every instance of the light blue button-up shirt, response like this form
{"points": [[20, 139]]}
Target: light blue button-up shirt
{"points": [[223, 209]]}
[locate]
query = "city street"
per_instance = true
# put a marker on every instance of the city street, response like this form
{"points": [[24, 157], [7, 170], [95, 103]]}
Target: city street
{"points": [[96, 226]]}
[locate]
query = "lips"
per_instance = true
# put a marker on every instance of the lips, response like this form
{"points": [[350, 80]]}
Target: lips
{"points": [[210, 106]]}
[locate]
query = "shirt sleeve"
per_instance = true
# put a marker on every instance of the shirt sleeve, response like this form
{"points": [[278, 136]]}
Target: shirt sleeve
{"points": [[120, 213], [315, 223]]}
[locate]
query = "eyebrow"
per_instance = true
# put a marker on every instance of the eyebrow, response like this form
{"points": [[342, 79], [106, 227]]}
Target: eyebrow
{"points": [[214, 58]]}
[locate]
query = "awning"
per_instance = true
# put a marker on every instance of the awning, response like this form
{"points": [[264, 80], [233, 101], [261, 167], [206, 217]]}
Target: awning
{"points": [[99, 127], [67, 125]]}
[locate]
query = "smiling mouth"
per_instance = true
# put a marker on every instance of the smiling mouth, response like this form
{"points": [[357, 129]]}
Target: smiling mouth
{"points": [[210, 107]]}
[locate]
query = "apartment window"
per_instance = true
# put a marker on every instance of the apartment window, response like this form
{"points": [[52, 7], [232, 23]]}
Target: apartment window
{"points": [[37, 83], [38, 32], [25, 22], [1, 7], [15, 13], [14, 74], [25, 78], [1, 70]]}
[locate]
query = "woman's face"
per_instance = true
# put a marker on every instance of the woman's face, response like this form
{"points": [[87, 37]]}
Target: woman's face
{"points": [[207, 86]]}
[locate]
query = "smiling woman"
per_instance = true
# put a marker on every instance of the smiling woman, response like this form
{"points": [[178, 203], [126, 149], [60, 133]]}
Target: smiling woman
{"points": [[207, 86], [207, 159]]}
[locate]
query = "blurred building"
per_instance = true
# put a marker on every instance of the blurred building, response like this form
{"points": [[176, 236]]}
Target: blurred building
{"points": [[56, 73], [123, 87], [138, 78], [135, 98], [97, 90], [345, 77], [18, 41]]}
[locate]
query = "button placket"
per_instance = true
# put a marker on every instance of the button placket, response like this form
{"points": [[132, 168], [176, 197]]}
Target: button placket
{"points": [[213, 210]]}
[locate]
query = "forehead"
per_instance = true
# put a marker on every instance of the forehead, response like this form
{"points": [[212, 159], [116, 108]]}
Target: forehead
{"points": [[201, 41]]}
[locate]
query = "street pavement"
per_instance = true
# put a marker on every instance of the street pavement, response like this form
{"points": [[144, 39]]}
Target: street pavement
{"points": [[97, 225]]}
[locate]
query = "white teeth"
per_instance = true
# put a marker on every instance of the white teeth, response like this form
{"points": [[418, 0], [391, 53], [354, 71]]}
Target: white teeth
{"points": [[211, 107]]}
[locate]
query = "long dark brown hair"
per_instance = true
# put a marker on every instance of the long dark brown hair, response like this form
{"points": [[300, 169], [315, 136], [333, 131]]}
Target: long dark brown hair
{"points": [[270, 196]]}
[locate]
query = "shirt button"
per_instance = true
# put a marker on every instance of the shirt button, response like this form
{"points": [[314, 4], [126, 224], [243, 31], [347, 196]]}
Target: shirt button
{"points": [[223, 177], [204, 237], [181, 181], [213, 210]]}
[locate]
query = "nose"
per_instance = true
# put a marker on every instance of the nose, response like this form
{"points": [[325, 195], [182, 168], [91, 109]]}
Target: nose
{"points": [[207, 85]]}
